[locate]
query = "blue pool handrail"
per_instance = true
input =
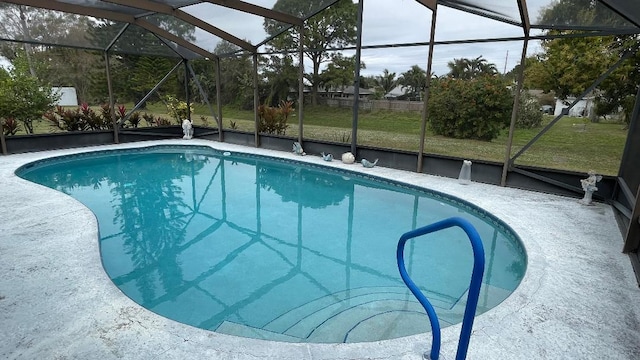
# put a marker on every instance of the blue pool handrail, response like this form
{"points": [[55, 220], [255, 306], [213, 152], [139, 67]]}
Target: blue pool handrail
{"points": [[474, 286]]}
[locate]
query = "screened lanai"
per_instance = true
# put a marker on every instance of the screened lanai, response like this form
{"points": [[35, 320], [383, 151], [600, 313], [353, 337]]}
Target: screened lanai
{"points": [[186, 32]]}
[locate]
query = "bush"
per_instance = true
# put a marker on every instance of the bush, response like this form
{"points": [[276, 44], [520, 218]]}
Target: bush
{"points": [[10, 126], [177, 109], [470, 109], [84, 118], [529, 114], [22, 96], [274, 120]]}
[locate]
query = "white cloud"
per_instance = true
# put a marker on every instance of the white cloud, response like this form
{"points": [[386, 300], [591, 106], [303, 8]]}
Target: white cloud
{"points": [[394, 22]]}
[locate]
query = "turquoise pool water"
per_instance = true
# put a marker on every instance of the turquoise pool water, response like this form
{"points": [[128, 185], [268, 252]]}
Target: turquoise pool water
{"points": [[276, 249]]}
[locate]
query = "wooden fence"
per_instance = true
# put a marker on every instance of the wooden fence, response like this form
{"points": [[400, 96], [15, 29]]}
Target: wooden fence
{"points": [[368, 105]]}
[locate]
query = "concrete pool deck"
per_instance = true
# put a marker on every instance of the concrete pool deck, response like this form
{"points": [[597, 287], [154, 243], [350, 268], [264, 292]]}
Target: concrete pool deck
{"points": [[578, 300]]}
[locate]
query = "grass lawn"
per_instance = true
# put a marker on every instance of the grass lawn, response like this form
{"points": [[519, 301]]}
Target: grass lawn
{"points": [[571, 144]]}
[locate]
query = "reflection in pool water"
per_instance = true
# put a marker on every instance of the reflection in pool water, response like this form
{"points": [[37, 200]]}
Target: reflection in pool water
{"points": [[275, 249]]}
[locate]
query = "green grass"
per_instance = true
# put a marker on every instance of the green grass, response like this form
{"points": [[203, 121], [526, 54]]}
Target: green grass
{"points": [[566, 146]]}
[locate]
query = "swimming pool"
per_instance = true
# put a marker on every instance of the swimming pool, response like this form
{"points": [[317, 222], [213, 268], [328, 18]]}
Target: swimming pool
{"points": [[274, 249]]}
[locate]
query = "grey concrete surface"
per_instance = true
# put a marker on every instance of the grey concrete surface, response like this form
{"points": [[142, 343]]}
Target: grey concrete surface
{"points": [[578, 300]]}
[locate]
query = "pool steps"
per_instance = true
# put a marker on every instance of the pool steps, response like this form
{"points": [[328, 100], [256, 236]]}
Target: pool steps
{"points": [[349, 317]]}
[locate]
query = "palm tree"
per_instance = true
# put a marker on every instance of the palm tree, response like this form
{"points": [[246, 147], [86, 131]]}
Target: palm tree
{"points": [[387, 81], [458, 68], [471, 68], [414, 80]]}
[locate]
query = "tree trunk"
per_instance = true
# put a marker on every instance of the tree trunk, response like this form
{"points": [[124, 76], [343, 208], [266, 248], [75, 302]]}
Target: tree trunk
{"points": [[314, 78], [26, 36]]}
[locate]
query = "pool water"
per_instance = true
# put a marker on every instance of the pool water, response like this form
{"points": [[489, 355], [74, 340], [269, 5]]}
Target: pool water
{"points": [[275, 249]]}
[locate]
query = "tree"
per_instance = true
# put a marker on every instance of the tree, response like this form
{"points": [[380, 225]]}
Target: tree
{"points": [[138, 50], [387, 81], [340, 71], [24, 97], [414, 82], [471, 68], [568, 66], [579, 13], [31, 23], [281, 75], [333, 27], [236, 76]]}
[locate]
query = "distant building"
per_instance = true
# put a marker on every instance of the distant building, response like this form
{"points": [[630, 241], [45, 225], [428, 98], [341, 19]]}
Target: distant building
{"points": [[68, 96], [395, 93], [583, 108], [346, 92]]}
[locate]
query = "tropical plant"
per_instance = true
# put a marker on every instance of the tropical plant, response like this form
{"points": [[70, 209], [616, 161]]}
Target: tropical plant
{"points": [[10, 126], [387, 81], [471, 68], [273, 120], [414, 82]]}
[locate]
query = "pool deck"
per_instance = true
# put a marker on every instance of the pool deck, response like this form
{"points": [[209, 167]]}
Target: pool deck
{"points": [[578, 300]]}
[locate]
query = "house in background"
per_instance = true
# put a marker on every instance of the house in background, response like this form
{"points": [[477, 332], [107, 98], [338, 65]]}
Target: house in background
{"points": [[584, 107], [395, 93], [345, 92]]}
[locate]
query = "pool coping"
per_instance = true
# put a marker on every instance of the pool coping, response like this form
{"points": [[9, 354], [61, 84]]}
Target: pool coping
{"points": [[55, 304]]}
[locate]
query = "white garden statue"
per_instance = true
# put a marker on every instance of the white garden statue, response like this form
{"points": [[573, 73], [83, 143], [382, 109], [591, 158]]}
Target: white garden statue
{"points": [[465, 173], [297, 149], [187, 129], [589, 186]]}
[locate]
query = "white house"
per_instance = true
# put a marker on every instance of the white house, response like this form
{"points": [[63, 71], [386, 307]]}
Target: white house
{"points": [[584, 107]]}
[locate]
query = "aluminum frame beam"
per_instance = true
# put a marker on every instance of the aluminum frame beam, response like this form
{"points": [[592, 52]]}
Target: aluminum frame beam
{"points": [[427, 89], [431, 4], [115, 16], [188, 18], [257, 10]]}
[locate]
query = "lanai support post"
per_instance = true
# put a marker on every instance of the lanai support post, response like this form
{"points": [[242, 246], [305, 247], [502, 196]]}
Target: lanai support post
{"points": [[514, 113], [187, 91], [219, 101], [356, 82], [256, 100], [3, 142], [112, 110], [301, 84], [427, 89]]}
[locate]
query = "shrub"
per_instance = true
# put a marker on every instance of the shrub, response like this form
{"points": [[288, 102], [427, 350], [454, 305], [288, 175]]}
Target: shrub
{"points": [[470, 109], [94, 121], [177, 109], [148, 119], [274, 120], [85, 118], [68, 120], [10, 126], [529, 114], [24, 97], [162, 122]]}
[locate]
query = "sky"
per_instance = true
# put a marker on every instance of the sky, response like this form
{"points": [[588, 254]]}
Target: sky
{"points": [[394, 22]]}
